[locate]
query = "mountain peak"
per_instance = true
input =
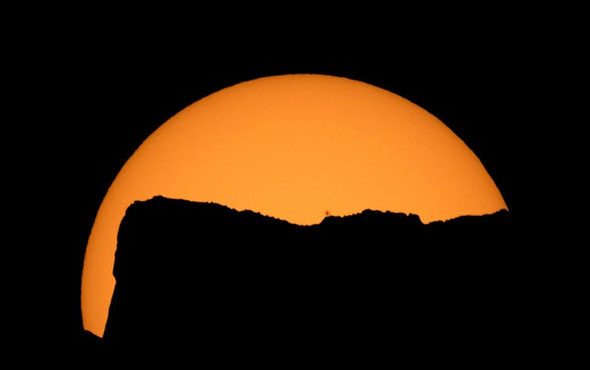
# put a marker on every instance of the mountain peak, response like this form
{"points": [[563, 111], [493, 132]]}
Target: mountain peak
{"points": [[202, 273]]}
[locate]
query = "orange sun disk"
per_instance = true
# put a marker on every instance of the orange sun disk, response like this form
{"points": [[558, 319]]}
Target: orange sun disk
{"points": [[295, 147]]}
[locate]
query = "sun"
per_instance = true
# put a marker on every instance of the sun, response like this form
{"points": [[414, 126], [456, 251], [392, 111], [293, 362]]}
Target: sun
{"points": [[295, 147]]}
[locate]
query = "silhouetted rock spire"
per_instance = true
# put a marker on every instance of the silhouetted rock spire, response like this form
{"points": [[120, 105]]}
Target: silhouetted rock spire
{"points": [[204, 275]]}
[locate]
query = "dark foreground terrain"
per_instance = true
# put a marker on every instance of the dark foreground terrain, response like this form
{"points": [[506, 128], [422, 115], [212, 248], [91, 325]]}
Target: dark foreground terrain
{"points": [[207, 279]]}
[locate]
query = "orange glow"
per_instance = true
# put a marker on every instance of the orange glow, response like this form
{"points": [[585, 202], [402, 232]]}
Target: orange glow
{"points": [[292, 147]]}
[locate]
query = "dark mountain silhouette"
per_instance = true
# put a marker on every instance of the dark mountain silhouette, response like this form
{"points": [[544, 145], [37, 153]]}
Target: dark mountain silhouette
{"points": [[215, 280]]}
